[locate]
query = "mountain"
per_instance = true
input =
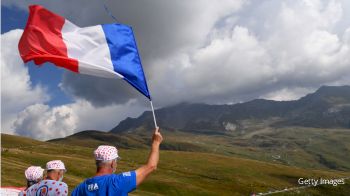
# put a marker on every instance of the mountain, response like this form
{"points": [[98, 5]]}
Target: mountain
{"points": [[328, 107], [298, 133]]}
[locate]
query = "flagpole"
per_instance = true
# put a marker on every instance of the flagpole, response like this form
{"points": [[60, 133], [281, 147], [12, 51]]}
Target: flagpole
{"points": [[154, 116]]}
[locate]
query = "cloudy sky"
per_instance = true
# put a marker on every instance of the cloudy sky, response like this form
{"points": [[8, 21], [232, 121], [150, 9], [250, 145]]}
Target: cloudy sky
{"points": [[204, 51]]}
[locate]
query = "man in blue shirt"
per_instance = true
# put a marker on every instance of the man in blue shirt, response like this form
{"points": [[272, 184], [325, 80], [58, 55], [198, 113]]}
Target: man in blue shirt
{"points": [[105, 182]]}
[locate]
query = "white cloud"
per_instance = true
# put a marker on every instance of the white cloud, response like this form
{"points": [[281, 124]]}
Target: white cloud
{"points": [[104, 118], [242, 50], [228, 65], [306, 49], [287, 94], [300, 46], [17, 92], [39, 121], [42, 122]]}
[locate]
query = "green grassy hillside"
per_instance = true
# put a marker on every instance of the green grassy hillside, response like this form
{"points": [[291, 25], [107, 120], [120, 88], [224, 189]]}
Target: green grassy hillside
{"points": [[179, 173], [314, 148]]}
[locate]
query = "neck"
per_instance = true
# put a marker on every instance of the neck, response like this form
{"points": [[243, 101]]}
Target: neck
{"points": [[103, 171], [52, 177]]}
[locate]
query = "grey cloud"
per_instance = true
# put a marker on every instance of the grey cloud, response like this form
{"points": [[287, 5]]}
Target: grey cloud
{"points": [[98, 91], [162, 28], [222, 52], [299, 46]]}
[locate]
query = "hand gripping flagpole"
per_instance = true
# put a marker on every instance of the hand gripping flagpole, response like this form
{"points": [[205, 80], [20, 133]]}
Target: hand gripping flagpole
{"points": [[154, 116]]}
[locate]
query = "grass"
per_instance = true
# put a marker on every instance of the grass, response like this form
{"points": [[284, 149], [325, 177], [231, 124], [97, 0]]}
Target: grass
{"points": [[295, 146], [178, 173]]}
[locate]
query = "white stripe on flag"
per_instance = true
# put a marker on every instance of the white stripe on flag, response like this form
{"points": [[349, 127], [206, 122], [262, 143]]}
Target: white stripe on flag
{"points": [[89, 46]]}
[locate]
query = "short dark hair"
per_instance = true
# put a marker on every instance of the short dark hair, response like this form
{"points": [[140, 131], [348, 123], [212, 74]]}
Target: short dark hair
{"points": [[101, 163], [54, 170], [30, 183]]}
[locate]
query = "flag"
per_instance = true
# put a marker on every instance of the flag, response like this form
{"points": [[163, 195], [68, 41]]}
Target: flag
{"points": [[107, 50]]}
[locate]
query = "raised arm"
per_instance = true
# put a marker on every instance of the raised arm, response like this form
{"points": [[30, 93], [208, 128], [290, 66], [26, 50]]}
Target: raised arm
{"points": [[153, 158]]}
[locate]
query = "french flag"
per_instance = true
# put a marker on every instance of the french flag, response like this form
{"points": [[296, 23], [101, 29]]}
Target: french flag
{"points": [[107, 50]]}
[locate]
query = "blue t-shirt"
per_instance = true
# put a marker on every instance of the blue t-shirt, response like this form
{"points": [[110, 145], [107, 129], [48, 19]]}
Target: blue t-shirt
{"points": [[112, 184]]}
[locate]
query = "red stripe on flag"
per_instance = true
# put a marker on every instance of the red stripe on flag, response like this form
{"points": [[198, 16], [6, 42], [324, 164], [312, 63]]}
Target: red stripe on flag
{"points": [[42, 39]]}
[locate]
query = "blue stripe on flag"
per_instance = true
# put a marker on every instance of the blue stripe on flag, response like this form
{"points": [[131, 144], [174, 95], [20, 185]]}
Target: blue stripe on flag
{"points": [[125, 57]]}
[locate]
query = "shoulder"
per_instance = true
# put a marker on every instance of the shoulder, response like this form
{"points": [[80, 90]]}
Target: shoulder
{"points": [[107, 177], [125, 177], [117, 178], [128, 173], [57, 187], [53, 183], [80, 185], [61, 184], [33, 187], [126, 181], [125, 174]]}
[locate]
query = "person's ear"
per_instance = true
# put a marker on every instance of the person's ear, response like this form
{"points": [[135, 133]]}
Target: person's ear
{"points": [[114, 164]]}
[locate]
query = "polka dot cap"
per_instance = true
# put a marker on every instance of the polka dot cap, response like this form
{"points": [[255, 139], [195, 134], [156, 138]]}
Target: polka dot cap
{"points": [[106, 153], [33, 173], [55, 164]]}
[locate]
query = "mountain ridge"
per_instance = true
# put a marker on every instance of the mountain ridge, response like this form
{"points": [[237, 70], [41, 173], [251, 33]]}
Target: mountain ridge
{"points": [[295, 133], [328, 107]]}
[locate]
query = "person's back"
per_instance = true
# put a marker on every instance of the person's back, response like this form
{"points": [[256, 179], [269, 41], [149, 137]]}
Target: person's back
{"points": [[107, 183], [111, 184], [48, 188], [33, 174], [52, 185]]}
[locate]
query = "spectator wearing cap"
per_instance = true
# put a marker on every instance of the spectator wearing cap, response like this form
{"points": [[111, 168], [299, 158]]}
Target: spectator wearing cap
{"points": [[105, 182], [52, 185], [33, 174]]}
